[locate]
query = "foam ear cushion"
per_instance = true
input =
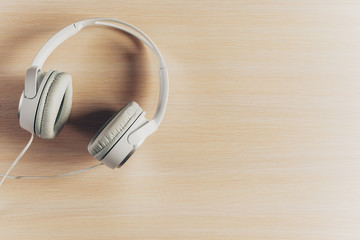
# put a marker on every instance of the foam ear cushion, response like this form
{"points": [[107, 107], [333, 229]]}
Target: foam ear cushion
{"points": [[113, 130], [54, 105]]}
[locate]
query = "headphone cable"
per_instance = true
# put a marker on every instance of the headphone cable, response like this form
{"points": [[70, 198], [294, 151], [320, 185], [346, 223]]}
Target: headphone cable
{"points": [[17, 159], [6, 175]]}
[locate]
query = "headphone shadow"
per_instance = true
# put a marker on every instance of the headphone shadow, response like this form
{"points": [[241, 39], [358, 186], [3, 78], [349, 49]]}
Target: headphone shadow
{"points": [[91, 121], [71, 144]]}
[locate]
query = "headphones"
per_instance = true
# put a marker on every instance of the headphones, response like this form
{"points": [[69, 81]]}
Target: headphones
{"points": [[46, 101]]}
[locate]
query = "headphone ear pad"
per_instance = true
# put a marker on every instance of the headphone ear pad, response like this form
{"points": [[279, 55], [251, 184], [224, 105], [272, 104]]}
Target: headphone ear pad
{"points": [[54, 105], [113, 130]]}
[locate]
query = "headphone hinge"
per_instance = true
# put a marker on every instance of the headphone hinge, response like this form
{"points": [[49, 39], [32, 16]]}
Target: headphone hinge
{"points": [[31, 79]]}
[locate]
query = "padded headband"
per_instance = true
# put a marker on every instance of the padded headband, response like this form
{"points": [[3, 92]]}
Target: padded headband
{"points": [[69, 31]]}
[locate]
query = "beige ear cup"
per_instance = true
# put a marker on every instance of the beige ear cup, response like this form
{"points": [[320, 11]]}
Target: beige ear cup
{"points": [[54, 105], [113, 130]]}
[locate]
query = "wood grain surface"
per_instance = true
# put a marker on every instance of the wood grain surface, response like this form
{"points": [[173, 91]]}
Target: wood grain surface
{"points": [[260, 140]]}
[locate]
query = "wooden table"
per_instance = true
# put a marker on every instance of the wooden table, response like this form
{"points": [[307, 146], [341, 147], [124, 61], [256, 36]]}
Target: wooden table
{"points": [[261, 139]]}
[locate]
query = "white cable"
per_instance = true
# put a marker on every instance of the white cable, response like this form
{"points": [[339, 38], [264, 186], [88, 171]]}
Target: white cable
{"points": [[6, 175], [17, 159], [54, 176]]}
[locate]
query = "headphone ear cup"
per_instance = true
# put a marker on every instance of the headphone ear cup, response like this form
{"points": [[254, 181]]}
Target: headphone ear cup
{"points": [[109, 134], [54, 105]]}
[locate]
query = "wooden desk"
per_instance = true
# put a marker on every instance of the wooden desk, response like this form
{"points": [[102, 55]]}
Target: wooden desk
{"points": [[260, 140]]}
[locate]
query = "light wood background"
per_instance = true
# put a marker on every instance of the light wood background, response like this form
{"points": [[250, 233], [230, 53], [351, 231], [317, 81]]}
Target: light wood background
{"points": [[261, 139]]}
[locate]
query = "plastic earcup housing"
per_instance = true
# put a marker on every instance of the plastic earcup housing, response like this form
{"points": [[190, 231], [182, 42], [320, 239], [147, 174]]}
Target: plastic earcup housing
{"points": [[113, 134]]}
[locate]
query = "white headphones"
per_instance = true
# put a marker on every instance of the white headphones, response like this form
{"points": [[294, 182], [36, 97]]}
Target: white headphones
{"points": [[46, 101]]}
